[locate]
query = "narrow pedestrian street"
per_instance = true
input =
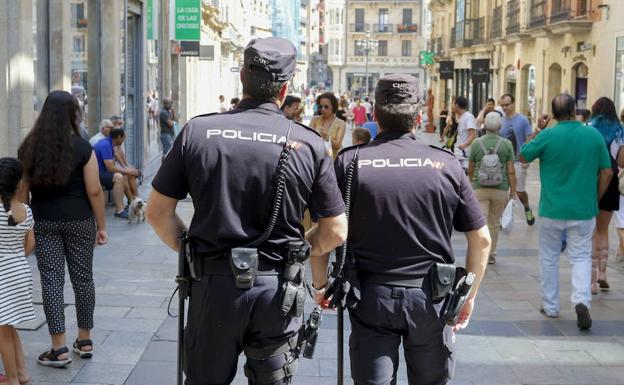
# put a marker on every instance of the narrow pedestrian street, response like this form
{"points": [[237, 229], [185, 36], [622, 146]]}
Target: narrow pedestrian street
{"points": [[508, 341]]}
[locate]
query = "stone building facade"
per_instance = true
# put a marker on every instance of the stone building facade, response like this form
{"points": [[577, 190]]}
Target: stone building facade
{"points": [[533, 49]]}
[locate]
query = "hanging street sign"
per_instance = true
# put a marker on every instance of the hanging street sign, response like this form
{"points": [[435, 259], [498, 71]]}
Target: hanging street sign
{"points": [[187, 20]]}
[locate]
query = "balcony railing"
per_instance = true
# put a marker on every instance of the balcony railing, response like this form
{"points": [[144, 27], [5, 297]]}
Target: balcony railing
{"points": [[513, 17], [381, 28], [562, 10], [407, 28], [359, 27], [537, 13], [496, 23]]}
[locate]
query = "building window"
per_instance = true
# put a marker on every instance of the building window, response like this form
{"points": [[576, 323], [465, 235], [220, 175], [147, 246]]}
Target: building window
{"points": [[383, 17], [357, 50], [78, 17], [382, 48], [406, 48], [359, 20], [619, 74], [407, 16], [79, 44]]}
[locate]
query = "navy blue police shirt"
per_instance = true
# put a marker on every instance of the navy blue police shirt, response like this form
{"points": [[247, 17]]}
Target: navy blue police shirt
{"points": [[227, 161], [407, 198]]}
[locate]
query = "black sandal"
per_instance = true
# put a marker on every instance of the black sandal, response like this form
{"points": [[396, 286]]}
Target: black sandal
{"points": [[51, 358], [78, 345]]}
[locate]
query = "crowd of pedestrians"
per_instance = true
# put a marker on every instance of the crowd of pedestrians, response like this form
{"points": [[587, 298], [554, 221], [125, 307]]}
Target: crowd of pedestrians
{"points": [[580, 159], [53, 201]]}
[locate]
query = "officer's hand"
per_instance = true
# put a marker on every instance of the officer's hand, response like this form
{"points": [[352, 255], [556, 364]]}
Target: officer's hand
{"points": [[320, 300], [464, 315]]}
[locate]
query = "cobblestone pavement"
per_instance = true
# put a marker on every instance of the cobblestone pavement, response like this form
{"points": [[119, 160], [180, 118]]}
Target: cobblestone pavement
{"points": [[507, 342]]}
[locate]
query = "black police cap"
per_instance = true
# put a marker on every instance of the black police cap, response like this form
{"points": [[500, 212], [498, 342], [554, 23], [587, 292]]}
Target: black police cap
{"points": [[397, 89], [274, 55]]}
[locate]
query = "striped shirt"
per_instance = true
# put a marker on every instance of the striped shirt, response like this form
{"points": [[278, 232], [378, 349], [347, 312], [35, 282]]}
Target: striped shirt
{"points": [[16, 303]]}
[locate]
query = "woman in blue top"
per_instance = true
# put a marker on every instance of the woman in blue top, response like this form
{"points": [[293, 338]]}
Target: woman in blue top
{"points": [[604, 118]]}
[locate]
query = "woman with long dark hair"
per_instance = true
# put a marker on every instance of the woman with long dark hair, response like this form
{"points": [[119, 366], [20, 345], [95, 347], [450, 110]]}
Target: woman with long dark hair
{"points": [[61, 173], [604, 118]]}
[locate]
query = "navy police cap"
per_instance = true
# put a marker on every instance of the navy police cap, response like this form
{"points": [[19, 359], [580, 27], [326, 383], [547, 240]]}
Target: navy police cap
{"points": [[274, 55], [397, 89]]}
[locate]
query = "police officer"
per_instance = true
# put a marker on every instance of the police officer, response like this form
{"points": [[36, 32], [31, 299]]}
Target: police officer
{"points": [[227, 162], [406, 199]]}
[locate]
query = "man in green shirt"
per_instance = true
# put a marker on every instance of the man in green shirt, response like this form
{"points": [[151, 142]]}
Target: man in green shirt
{"points": [[575, 171]]}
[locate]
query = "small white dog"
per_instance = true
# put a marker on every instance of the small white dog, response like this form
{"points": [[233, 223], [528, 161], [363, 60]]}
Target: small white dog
{"points": [[136, 213]]}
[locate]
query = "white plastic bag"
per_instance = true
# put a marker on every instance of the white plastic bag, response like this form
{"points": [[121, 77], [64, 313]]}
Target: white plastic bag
{"points": [[507, 218]]}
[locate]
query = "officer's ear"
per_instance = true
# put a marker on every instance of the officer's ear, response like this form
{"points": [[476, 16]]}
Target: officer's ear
{"points": [[282, 94]]}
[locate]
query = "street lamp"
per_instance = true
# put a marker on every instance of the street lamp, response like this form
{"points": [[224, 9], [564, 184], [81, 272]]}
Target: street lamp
{"points": [[366, 45]]}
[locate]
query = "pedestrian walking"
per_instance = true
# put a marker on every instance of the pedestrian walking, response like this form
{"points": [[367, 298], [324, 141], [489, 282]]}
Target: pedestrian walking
{"points": [[167, 118], [517, 129], [291, 108], [234, 308], [359, 113], [489, 107], [411, 196], [327, 123], [61, 173], [604, 119], [221, 107], [16, 301], [466, 130], [491, 170], [575, 172], [444, 113]]}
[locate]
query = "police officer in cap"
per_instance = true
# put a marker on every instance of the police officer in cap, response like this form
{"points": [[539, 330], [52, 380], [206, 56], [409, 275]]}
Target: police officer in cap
{"points": [[407, 197], [228, 163]]}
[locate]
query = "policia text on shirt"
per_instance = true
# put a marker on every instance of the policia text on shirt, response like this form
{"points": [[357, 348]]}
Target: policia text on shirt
{"points": [[251, 174], [400, 283]]}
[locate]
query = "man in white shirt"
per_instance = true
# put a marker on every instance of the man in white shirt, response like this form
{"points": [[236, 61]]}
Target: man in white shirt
{"points": [[369, 109], [105, 126], [466, 130], [222, 107]]}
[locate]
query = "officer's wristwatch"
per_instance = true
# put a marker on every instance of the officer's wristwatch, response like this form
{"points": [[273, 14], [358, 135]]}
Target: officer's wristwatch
{"points": [[316, 291]]}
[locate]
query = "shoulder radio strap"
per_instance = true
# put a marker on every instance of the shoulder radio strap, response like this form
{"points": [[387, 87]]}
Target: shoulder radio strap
{"points": [[279, 184], [341, 255]]}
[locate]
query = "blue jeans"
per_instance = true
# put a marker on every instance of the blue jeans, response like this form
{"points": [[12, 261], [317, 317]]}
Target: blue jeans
{"points": [[167, 142], [579, 238]]}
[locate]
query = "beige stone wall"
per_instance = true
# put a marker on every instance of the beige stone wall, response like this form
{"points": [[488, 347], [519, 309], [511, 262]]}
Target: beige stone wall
{"points": [[16, 74], [554, 52]]}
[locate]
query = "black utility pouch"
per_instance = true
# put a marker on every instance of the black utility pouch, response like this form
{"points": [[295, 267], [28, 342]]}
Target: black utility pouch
{"points": [[442, 278], [244, 264]]}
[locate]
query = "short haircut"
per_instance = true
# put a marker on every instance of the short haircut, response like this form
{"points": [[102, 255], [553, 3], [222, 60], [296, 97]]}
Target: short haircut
{"points": [[104, 123], [115, 118], [290, 100], [361, 134], [259, 85], [510, 96], [332, 100], [396, 117], [117, 133], [493, 121], [234, 101], [585, 113], [461, 102], [491, 100], [563, 106]]}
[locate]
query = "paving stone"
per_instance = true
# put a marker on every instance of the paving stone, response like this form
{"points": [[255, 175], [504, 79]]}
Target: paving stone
{"points": [[538, 328], [129, 339], [114, 374], [147, 372], [161, 351]]}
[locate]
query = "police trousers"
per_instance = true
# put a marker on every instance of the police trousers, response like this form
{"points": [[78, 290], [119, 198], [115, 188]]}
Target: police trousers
{"points": [[385, 317], [223, 320]]}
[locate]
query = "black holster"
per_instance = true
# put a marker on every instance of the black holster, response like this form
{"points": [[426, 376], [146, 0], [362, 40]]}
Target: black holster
{"points": [[451, 284], [244, 264], [294, 279]]}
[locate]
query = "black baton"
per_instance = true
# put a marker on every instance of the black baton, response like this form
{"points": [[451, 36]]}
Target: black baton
{"points": [[183, 280]]}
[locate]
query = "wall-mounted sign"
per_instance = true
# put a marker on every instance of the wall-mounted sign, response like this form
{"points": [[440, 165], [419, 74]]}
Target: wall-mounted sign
{"points": [[447, 69], [189, 48], [206, 52], [480, 70]]}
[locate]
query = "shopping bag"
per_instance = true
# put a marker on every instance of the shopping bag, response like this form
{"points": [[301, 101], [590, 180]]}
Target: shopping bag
{"points": [[507, 218]]}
